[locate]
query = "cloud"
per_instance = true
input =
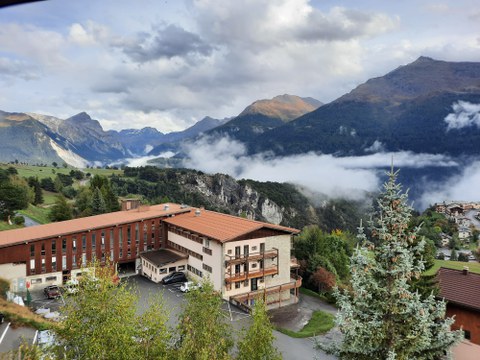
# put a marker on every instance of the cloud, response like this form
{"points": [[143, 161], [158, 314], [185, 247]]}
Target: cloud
{"points": [[167, 42], [11, 68], [347, 177], [464, 114], [463, 186]]}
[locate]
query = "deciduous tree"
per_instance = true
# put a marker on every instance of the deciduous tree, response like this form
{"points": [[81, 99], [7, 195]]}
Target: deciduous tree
{"points": [[257, 340]]}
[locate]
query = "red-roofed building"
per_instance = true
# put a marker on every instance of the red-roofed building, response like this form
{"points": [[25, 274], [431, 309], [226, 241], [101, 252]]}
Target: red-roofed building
{"points": [[243, 258], [461, 290]]}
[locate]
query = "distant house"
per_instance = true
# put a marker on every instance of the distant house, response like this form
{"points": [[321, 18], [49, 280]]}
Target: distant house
{"points": [[461, 290], [464, 233]]}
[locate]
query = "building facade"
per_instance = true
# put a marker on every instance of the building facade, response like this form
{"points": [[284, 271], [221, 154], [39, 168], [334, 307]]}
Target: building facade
{"points": [[243, 258]]}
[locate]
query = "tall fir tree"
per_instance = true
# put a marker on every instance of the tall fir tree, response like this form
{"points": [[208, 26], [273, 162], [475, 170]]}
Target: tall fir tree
{"points": [[381, 317], [98, 203]]}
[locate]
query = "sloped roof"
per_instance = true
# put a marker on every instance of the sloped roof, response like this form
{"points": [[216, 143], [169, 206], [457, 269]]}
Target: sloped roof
{"points": [[458, 288], [16, 236], [222, 227]]}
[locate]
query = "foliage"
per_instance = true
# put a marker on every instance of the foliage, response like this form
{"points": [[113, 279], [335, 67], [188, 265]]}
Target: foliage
{"points": [[38, 193], [257, 340], [98, 203], [12, 197], [320, 323], [38, 214], [48, 184], [320, 249], [4, 287], [406, 325], [61, 210], [463, 257], [101, 322], [19, 220], [203, 332], [432, 224], [323, 279]]}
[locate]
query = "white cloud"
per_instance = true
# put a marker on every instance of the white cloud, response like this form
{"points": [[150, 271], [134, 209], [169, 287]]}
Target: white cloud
{"points": [[463, 186], [347, 177], [464, 114]]}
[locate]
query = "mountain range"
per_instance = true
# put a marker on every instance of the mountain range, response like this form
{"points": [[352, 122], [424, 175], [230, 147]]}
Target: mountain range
{"points": [[428, 106]]}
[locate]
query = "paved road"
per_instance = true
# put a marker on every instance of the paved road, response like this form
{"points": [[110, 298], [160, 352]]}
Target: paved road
{"points": [[291, 349], [471, 215]]}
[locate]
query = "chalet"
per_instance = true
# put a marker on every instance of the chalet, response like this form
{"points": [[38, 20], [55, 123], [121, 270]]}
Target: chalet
{"points": [[461, 290]]}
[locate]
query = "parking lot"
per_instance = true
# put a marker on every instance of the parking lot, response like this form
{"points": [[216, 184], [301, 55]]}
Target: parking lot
{"points": [[174, 300]]}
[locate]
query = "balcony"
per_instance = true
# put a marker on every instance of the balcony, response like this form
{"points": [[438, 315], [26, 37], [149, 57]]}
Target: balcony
{"points": [[242, 276], [294, 263], [239, 259]]}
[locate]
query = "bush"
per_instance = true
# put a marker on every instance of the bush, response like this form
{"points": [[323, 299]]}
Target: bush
{"points": [[19, 220], [4, 287]]}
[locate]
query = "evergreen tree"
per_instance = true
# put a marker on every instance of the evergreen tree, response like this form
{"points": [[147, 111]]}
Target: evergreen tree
{"points": [[61, 210], [38, 194], [98, 203], [111, 200], [257, 340], [381, 317]]}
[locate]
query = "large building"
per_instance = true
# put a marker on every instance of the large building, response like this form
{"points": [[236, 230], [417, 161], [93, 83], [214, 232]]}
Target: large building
{"points": [[243, 258]]}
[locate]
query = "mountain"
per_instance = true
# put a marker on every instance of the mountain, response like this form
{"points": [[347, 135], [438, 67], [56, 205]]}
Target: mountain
{"points": [[138, 141], [85, 137], [423, 107], [265, 115], [26, 139], [172, 141], [283, 107]]}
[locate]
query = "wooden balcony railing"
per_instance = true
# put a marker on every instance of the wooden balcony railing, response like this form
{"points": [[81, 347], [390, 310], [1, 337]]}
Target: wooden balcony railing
{"points": [[242, 276], [256, 256]]}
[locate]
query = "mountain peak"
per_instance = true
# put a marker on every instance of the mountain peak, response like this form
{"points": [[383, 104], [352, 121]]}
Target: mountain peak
{"points": [[82, 116], [285, 107]]}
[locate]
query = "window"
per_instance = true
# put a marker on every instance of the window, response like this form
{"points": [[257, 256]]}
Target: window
{"points": [[262, 248], [245, 283], [467, 334], [54, 263], [237, 269], [36, 281], [32, 264], [84, 242], [64, 245], [163, 271], [237, 252], [207, 268], [172, 269], [229, 252], [43, 248], [245, 250], [254, 265], [207, 243], [54, 247], [254, 248], [237, 285], [94, 241], [51, 278], [181, 267], [64, 262], [74, 244], [32, 250]]}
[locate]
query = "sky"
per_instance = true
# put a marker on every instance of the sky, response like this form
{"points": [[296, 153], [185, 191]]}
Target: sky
{"points": [[168, 64]]}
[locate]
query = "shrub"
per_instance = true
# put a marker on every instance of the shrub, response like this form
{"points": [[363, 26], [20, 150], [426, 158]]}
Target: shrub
{"points": [[19, 220], [4, 287]]}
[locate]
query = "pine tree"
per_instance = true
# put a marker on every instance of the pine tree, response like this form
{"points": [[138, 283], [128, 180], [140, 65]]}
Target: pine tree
{"points": [[61, 210], [257, 341], [381, 317], [98, 203], [38, 194]]}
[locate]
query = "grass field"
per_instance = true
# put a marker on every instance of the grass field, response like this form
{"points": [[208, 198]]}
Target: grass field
{"points": [[49, 171], [4, 226], [456, 265], [37, 214], [49, 198], [320, 323]]}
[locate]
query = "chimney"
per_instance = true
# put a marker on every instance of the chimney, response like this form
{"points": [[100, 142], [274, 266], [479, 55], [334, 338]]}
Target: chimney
{"points": [[166, 207], [197, 212], [465, 270]]}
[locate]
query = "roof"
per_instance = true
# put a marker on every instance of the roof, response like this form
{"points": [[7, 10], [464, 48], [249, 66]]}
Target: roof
{"points": [[163, 256], [458, 288], [16, 236], [222, 227]]}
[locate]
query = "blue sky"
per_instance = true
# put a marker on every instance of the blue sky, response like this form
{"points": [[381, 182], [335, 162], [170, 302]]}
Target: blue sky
{"points": [[168, 64]]}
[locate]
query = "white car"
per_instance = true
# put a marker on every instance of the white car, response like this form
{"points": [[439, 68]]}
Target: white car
{"points": [[189, 285]]}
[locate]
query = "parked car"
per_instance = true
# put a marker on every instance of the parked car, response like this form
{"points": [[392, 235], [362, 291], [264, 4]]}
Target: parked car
{"points": [[71, 286], [174, 277], [189, 285], [52, 292]]}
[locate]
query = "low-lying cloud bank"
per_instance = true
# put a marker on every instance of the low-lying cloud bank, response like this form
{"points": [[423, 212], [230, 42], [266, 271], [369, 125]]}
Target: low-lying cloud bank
{"points": [[348, 177], [463, 187]]}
